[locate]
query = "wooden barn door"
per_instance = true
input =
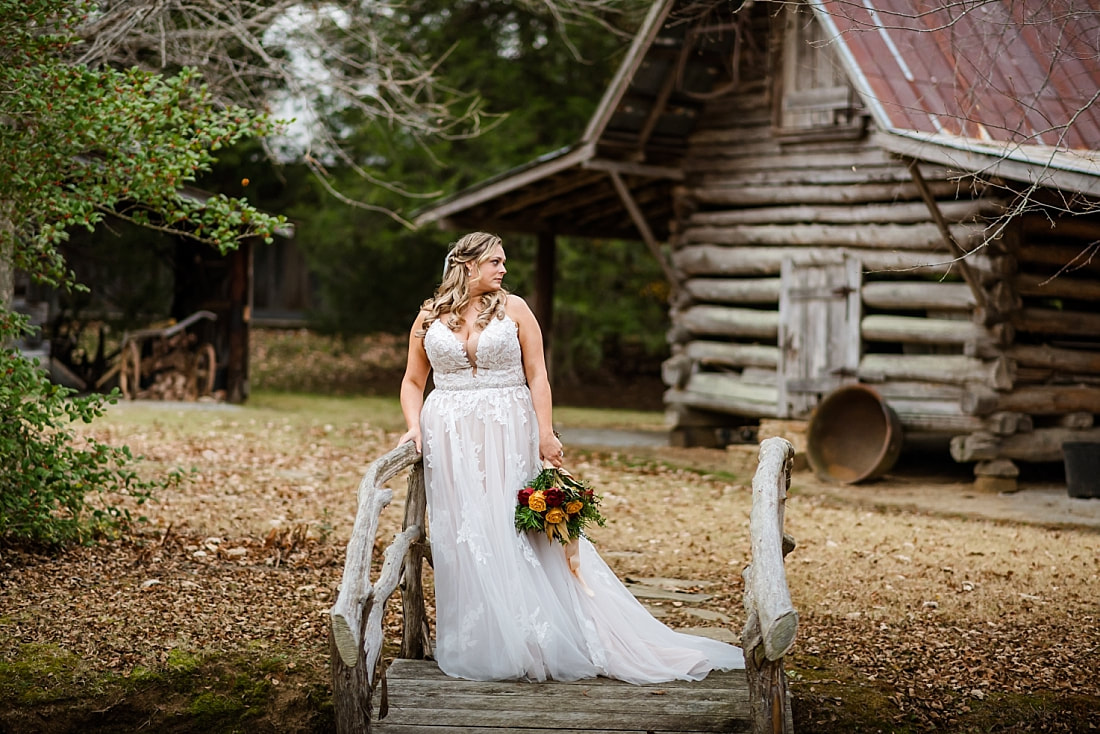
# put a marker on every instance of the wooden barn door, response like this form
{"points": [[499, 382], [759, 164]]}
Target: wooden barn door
{"points": [[819, 343]]}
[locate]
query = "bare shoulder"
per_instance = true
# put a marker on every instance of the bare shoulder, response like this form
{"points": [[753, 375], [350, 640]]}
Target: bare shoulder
{"points": [[517, 309], [418, 323]]}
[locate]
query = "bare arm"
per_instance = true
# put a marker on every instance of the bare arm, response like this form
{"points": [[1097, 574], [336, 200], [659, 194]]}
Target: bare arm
{"points": [[534, 367], [412, 384]]}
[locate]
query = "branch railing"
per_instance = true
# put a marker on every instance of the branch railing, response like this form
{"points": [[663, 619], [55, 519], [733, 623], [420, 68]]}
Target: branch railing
{"points": [[356, 637], [772, 622]]}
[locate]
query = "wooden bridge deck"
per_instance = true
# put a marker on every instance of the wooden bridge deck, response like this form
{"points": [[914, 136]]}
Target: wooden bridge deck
{"points": [[420, 699]]}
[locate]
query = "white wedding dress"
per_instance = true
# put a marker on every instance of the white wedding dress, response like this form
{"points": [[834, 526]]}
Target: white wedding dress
{"points": [[507, 605]]}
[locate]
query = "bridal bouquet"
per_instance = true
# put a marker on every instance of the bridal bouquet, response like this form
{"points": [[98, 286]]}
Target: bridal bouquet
{"points": [[557, 504]]}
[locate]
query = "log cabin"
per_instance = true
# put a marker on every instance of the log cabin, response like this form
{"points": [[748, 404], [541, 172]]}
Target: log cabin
{"points": [[850, 193]]}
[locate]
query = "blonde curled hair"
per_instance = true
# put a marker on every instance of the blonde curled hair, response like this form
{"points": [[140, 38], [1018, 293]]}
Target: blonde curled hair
{"points": [[453, 294]]}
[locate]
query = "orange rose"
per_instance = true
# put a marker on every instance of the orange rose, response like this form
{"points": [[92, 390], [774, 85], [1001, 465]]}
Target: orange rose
{"points": [[555, 516], [537, 501], [574, 507]]}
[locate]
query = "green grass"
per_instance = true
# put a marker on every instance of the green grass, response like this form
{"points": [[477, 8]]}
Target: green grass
{"points": [[380, 411]]}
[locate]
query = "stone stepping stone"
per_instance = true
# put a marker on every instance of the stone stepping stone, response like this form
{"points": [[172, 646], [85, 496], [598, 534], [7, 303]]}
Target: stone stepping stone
{"points": [[721, 634], [644, 591], [708, 615]]}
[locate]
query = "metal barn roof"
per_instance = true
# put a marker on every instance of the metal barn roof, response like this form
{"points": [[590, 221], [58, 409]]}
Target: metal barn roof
{"points": [[1000, 88]]}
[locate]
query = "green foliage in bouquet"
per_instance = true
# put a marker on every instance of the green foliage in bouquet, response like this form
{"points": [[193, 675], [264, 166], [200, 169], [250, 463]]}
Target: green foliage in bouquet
{"points": [[558, 504]]}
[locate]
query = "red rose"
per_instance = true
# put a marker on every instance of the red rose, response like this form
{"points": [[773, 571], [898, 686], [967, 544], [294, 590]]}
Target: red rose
{"points": [[589, 495], [554, 497], [524, 495]]}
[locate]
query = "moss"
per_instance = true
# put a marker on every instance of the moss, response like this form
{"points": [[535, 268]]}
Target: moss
{"points": [[183, 661], [39, 673]]}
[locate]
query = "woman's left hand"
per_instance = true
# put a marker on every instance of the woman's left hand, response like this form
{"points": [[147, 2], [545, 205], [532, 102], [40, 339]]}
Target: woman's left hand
{"points": [[550, 450]]}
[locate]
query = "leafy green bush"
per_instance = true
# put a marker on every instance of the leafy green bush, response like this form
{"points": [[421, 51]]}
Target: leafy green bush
{"points": [[54, 488]]}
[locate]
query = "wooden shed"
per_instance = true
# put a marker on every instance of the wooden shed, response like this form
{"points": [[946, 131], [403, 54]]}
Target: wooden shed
{"points": [[845, 192]]}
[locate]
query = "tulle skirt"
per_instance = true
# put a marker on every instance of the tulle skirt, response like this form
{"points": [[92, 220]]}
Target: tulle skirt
{"points": [[507, 604]]}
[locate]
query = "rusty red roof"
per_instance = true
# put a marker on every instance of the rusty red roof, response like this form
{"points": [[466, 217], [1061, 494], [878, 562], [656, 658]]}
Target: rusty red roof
{"points": [[1004, 71]]}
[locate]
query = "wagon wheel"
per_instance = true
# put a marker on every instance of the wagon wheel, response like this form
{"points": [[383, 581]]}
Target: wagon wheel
{"points": [[206, 367], [129, 374]]}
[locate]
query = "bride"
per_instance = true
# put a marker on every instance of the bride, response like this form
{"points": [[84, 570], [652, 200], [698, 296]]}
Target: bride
{"points": [[507, 604]]}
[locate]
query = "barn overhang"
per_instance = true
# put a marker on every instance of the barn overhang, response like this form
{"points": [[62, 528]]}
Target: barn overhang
{"points": [[617, 180], [573, 191]]}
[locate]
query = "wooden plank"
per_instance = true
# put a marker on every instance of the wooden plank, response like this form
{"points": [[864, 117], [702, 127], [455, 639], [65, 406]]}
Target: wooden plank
{"points": [[918, 390], [950, 368], [1067, 360], [792, 175], [734, 290], [733, 404], [1041, 444], [878, 236], [715, 260], [771, 193], [729, 385], [732, 355], [385, 727], [893, 213], [427, 671], [915, 330], [1063, 286], [1057, 322], [727, 321], [915, 296], [563, 717], [1050, 400]]}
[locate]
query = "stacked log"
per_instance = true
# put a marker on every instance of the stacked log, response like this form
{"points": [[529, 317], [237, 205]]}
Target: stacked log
{"points": [[999, 349]]}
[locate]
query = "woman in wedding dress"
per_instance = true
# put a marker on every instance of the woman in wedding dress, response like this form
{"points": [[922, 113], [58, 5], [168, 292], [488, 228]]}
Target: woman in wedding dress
{"points": [[507, 604]]}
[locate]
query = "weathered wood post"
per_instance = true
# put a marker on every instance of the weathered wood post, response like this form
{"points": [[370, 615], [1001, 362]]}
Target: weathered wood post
{"points": [[355, 638], [772, 622], [415, 634]]}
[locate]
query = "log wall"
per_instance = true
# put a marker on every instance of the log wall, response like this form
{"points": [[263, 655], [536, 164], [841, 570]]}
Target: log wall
{"points": [[1006, 343]]}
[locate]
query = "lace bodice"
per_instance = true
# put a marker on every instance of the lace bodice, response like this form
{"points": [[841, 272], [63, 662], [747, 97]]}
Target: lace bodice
{"points": [[498, 360]]}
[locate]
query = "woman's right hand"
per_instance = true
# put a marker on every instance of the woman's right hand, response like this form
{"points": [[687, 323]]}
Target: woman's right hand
{"points": [[413, 434]]}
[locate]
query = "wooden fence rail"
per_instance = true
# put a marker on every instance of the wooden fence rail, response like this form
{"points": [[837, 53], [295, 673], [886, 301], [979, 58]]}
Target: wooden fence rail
{"points": [[356, 636]]}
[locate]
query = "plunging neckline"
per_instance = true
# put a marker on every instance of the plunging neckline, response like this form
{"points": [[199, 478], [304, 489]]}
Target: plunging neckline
{"points": [[471, 359]]}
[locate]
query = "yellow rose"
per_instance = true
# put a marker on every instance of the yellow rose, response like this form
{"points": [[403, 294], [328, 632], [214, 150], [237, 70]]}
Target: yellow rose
{"points": [[555, 516], [574, 507], [537, 501]]}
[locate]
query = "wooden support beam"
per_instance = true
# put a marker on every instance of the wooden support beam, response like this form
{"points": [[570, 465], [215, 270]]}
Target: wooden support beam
{"points": [[951, 243], [643, 228]]}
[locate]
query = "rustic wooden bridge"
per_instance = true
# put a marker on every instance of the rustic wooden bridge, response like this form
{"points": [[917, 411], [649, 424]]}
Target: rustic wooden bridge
{"points": [[415, 697]]}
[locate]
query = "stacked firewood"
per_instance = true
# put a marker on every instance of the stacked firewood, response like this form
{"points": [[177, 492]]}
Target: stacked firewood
{"points": [[176, 368]]}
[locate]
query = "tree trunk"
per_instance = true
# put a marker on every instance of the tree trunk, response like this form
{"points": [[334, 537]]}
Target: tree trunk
{"points": [[7, 269]]}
